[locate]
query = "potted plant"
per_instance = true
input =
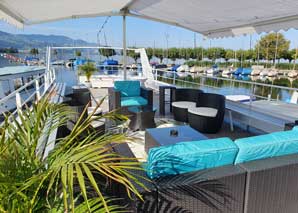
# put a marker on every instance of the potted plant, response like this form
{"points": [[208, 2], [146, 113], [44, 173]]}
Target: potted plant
{"points": [[88, 69], [74, 176]]}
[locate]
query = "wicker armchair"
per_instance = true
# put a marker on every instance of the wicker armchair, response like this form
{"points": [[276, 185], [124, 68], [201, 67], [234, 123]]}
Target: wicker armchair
{"points": [[208, 115], [183, 99], [117, 99]]}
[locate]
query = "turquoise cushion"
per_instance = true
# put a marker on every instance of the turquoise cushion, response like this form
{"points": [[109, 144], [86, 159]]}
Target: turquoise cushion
{"points": [[266, 146], [128, 88], [133, 101], [190, 156]]}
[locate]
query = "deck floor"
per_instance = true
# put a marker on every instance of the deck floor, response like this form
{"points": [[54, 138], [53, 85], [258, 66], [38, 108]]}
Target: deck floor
{"points": [[282, 110], [138, 145]]}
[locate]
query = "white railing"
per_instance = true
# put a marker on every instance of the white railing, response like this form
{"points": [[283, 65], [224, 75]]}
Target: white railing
{"points": [[147, 70], [230, 86], [25, 94]]}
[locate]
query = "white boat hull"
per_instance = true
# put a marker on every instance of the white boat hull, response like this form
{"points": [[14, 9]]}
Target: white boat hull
{"points": [[292, 74]]}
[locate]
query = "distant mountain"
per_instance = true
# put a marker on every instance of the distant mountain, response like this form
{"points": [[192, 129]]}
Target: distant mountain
{"points": [[28, 41]]}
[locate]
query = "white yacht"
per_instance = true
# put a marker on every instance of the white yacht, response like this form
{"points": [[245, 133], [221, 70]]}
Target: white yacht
{"points": [[12, 78], [292, 74]]}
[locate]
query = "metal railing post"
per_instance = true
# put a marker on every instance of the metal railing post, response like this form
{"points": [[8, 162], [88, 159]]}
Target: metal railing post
{"points": [[54, 74], [48, 58], [46, 82], [49, 77], [37, 90], [19, 103], [174, 78], [155, 74]]}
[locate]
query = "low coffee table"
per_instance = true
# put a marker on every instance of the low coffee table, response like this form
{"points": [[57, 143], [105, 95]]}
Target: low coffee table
{"points": [[142, 117], [161, 136]]}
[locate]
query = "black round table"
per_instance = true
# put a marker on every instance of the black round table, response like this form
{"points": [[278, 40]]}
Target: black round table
{"points": [[141, 117]]}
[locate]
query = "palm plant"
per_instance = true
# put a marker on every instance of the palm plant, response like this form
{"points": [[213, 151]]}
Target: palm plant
{"points": [[67, 179], [88, 70]]}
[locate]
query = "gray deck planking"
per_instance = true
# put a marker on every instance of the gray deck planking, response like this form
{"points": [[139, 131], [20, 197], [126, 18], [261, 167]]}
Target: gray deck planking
{"points": [[282, 110], [138, 147]]}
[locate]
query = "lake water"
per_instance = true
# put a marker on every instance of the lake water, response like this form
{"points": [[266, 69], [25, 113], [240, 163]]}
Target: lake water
{"points": [[69, 76], [230, 87]]}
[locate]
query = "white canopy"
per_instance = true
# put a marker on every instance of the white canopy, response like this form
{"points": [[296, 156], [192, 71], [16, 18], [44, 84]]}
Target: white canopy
{"points": [[212, 18]]}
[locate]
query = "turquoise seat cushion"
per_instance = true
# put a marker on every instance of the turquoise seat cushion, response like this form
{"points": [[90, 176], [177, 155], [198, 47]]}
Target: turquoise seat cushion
{"points": [[128, 88], [190, 156], [133, 101], [267, 146]]}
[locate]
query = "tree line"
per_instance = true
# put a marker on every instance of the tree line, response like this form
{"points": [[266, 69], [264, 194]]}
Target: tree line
{"points": [[9, 50], [270, 47]]}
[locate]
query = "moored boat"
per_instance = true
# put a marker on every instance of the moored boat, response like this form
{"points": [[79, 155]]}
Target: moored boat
{"points": [[292, 74], [238, 71], [272, 73], [196, 69], [256, 70], [58, 63], [183, 68], [246, 71], [14, 77], [228, 71], [213, 70], [174, 68], [264, 72]]}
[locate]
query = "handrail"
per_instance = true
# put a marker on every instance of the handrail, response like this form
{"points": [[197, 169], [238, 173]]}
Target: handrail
{"points": [[3, 100], [232, 80], [49, 78], [93, 47], [266, 93]]}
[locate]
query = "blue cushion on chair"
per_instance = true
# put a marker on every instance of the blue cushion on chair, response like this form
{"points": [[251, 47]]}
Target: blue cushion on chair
{"points": [[190, 156], [128, 88], [266, 146], [133, 101]]}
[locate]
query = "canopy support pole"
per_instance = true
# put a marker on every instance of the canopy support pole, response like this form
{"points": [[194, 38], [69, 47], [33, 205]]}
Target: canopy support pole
{"points": [[124, 48], [48, 58]]}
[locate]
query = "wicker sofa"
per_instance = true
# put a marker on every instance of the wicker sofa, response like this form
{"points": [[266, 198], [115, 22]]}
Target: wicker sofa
{"points": [[129, 93], [180, 193], [251, 186]]}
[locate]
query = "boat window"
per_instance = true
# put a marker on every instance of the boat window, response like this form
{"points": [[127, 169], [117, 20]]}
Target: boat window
{"points": [[5, 87], [30, 78], [17, 83]]}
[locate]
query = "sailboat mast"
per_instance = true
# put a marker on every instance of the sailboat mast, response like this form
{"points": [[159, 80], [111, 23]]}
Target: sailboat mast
{"points": [[276, 48], [295, 58]]}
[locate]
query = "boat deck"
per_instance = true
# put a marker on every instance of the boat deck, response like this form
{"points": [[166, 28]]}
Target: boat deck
{"points": [[282, 110], [167, 120]]}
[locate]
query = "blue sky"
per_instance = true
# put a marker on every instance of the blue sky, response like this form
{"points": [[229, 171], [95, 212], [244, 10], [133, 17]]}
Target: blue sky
{"points": [[142, 33]]}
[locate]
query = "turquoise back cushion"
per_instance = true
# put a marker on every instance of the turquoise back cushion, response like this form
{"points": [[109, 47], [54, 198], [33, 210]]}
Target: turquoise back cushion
{"points": [[190, 156], [128, 88], [266, 146]]}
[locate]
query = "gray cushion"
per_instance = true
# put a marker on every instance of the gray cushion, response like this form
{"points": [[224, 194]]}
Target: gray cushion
{"points": [[97, 112], [203, 111], [184, 104]]}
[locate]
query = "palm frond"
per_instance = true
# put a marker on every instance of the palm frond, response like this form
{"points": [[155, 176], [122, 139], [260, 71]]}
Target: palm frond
{"points": [[82, 162]]}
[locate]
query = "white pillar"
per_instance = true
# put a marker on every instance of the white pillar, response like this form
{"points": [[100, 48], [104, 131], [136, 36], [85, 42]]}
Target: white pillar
{"points": [[124, 49], [48, 58], [19, 103], [46, 81], [37, 90], [54, 74]]}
